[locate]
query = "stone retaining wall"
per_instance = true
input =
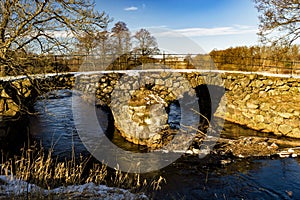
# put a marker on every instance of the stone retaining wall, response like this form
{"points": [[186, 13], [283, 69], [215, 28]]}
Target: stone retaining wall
{"points": [[18, 95], [264, 103]]}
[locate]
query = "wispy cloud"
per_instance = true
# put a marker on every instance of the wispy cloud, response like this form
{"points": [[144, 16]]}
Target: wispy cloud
{"points": [[60, 34], [131, 8], [198, 32]]}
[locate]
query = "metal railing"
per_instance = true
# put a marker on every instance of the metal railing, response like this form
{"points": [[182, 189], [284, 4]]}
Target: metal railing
{"points": [[61, 63], [256, 64]]}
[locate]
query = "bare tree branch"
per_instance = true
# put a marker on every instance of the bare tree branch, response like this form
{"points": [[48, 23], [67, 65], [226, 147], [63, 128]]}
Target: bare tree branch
{"points": [[42, 26], [279, 21]]}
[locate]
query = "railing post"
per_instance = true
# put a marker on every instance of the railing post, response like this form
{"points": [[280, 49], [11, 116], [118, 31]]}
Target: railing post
{"points": [[292, 67], [55, 64]]}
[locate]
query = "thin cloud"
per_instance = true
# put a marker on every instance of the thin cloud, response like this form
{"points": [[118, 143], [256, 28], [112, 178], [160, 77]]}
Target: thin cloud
{"points": [[132, 8], [60, 34], [198, 32]]}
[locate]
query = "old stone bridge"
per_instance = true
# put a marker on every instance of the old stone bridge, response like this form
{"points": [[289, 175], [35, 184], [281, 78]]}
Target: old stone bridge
{"points": [[264, 102]]}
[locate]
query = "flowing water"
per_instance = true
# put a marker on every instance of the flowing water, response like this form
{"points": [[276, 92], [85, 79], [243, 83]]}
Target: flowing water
{"points": [[189, 177]]}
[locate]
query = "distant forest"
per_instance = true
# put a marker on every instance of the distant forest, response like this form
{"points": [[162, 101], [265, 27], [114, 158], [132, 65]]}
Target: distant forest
{"points": [[258, 58]]}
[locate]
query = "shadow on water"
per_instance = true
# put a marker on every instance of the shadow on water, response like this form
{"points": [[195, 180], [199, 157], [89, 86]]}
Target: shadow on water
{"points": [[14, 135]]}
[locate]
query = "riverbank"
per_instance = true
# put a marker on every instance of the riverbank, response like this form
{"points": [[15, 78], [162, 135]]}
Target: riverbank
{"points": [[226, 153], [36, 175]]}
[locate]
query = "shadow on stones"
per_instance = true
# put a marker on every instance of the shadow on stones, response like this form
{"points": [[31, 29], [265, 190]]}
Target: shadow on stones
{"points": [[109, 123], [209, 97]]}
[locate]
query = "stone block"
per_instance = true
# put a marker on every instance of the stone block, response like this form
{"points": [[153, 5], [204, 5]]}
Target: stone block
{"points": [[245, 82], [252, 76], [294, 123], [273, 92], [248, 115], [247, 97], [283, 88], [4, 94], [279, 83], [295, 133], [260, 126], [265, 106], [2, 105], [296, 113], [262, 94], [285, 129], [108, 89], [259, 118], [252, 105], [285, 115], [278, 120], [268, 82]]}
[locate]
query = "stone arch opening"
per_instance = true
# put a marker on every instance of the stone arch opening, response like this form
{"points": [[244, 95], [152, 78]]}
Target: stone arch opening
{"points": [[209, 97]]}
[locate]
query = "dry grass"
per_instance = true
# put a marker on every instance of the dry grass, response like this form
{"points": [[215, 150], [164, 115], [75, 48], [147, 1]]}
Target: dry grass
{"points": [[34, 166]]}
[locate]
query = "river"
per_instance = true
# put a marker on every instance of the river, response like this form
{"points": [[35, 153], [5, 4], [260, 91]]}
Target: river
{"points": [[189, 177]]}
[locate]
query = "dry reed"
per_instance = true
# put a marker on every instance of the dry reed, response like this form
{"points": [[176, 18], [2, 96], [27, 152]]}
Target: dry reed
{"points": [[36, 167]]}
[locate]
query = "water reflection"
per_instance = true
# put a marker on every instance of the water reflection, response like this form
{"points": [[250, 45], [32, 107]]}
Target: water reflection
{"points": [[243, 179], [53, 126]]}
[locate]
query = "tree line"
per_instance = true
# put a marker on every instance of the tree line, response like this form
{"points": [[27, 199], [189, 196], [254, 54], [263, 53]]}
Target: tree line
{"points": [[257, 58], [117, 41]]}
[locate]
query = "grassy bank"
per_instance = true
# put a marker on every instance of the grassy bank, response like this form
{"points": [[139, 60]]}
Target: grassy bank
{"points": [[39, 168]]}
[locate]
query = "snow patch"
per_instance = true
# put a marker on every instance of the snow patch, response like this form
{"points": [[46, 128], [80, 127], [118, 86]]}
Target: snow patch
{"points": [[16, 187]]}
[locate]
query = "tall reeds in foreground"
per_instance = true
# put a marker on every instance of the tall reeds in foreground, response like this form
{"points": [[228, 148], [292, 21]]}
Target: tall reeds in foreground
{"points": [[36, 167]]}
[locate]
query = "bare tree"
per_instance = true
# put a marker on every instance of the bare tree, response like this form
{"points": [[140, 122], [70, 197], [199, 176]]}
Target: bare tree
{"points": [[121, 38], [279, 20], [104, 50], [43, 26], [146, 43], [86, 43]]}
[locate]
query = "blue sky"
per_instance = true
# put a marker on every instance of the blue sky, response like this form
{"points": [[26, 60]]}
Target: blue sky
{"points": [[210, 24]]}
